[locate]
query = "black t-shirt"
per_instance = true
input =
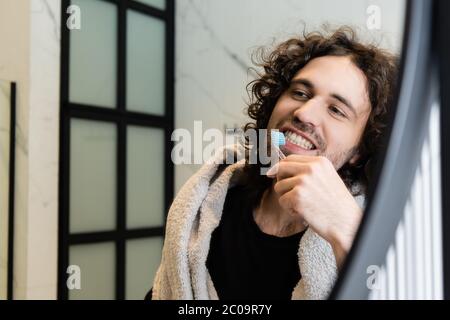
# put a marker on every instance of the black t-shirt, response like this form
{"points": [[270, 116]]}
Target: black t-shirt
{"points": [[244, 262]]}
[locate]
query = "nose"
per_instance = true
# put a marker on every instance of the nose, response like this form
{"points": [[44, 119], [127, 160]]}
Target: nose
{"points": [[310, 112]]}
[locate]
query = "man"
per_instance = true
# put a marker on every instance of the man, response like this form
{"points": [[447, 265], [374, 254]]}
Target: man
{"points": [[233, 233]]}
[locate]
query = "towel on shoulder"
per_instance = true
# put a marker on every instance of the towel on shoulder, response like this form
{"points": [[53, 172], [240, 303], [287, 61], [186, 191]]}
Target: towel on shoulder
{"points": [[193, 216]]}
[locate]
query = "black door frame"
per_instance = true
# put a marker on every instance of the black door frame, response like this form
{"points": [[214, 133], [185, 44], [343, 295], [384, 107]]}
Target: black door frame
{"points": [[11, 192], [121, 118]]}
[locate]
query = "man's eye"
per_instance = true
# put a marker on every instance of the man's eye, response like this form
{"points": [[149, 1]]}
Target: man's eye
{"points": [[337, 112], [300, 94]]}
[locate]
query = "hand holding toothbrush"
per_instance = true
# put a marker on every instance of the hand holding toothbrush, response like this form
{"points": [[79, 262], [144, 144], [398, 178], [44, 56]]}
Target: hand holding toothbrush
{"points": [[310, 187]]}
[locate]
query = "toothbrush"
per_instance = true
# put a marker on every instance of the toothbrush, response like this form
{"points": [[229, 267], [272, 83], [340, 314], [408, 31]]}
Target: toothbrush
{"points": [[278, 139]]}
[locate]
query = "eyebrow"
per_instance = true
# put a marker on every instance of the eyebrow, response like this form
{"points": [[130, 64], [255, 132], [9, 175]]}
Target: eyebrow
{"points": [[336, 96]]}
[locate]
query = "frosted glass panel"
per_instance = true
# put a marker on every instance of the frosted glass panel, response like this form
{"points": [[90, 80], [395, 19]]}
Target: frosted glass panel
{"points": [[96, 264], [145, 64], [160, 4], [143, 258], [145, 177], [93, 57], [92, 176]]}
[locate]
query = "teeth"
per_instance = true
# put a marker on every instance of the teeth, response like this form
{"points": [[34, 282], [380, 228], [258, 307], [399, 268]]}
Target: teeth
{"points": [[299, 140]]}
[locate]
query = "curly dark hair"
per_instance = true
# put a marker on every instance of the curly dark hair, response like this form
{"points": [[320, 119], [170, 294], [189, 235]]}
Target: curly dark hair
{"points": [[281, 65]]}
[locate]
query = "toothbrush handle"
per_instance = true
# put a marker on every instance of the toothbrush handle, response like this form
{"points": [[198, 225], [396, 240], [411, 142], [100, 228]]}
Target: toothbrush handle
{"points": [[280, 154]]}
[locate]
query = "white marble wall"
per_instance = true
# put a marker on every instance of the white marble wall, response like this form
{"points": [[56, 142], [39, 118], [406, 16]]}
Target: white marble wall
{"points": [[215, 39], [14, 66], [30, 55], [43, 147]]}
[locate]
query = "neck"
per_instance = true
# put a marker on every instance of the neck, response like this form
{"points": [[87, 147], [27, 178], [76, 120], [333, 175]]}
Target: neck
{"points": [[272, 219]]}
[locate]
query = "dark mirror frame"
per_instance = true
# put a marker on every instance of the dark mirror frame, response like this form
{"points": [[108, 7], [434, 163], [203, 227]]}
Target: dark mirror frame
{"points": [[424, 67]]}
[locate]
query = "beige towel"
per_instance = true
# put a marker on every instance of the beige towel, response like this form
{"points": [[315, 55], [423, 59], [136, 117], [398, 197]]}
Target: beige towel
{"points": [[195, 213]]}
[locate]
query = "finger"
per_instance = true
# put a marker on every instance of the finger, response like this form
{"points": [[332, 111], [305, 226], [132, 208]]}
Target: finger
{"points": [[300, 158], [289, 202], [289, 169], [285, 185]]}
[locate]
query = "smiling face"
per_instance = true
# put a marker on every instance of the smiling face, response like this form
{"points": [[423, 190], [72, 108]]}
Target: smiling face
{"points": [[324, 111]]}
